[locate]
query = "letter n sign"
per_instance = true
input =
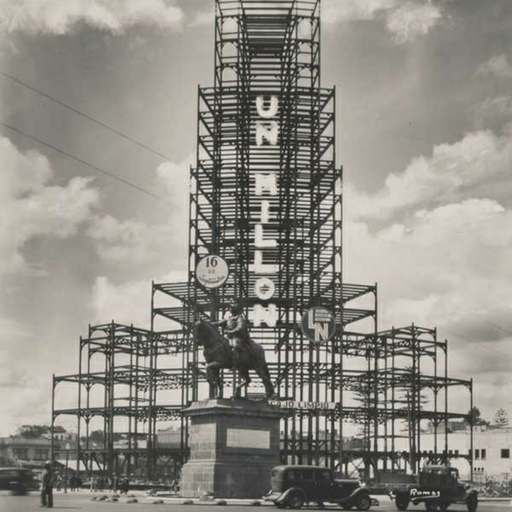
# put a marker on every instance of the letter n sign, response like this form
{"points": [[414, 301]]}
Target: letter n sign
{"points": [[318, 325]]}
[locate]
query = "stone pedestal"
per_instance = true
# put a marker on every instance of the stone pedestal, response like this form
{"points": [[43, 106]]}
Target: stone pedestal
{"points": [[234, 444]]}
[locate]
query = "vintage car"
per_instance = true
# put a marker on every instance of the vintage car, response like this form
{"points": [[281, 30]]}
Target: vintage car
{"points": [[17, 480], [294, 486], [437, 487]]}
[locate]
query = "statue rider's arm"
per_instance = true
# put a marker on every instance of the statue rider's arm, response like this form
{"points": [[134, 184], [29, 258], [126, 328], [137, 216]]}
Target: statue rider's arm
{"points": [[239, 327]]}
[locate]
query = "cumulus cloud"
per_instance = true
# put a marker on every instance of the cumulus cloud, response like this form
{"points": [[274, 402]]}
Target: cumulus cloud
{"points": [[446, 267], [29, 404], [62, 16], [493, 113], [439, 243], [497, 66], [13, 335], [33, 207], [202, 18], [175, 178], [139, 243], [349, 10], [451, 172], [127, 302], [405, 21], [129, 241], [25, 397], [412, 20], [142, 245]]}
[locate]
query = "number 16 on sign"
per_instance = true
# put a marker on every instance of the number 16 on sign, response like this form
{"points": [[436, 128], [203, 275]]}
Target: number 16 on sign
{"points": [[212, 271]]}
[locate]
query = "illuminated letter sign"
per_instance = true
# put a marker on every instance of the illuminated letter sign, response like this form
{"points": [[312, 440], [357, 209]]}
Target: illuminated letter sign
{"points": [[267, 131]]}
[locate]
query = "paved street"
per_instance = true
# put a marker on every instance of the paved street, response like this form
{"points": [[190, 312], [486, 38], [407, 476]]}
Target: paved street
{"points": [[82, 501]]}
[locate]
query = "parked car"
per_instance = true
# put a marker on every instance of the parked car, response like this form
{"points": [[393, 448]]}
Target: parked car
{"points": [[438, 487], [17, 480], [294, 486]]}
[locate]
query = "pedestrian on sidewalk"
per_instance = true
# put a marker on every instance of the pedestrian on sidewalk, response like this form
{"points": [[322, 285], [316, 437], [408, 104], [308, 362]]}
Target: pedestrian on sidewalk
{"points": [[47, 486]]}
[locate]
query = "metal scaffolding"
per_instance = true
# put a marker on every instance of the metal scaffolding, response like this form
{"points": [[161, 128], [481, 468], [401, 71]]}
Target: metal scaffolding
{"points": [[269, 51]]}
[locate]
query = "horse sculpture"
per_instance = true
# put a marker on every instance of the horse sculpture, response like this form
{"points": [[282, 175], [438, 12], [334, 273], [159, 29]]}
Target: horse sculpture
{"points": [[219, 355]]}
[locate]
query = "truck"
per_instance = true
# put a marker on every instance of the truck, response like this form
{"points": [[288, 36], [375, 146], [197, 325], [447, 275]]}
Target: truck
{"points": [[438, 486]]}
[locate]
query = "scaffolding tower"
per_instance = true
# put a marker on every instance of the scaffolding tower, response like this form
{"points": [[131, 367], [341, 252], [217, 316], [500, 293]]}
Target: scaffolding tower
{"points": [[268, 118]]}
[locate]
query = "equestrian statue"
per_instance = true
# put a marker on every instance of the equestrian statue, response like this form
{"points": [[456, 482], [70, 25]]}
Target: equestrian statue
{"points": [[235, 350]]}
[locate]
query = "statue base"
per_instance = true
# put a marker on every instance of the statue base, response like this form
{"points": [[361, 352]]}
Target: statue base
{"points": [[234, 444]]}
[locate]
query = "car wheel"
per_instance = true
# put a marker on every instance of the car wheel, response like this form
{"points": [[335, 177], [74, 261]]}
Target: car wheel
{"points": [[444, 505], [431, 506], [363, 502], [295, 500], [401, 502], [472, 502]]}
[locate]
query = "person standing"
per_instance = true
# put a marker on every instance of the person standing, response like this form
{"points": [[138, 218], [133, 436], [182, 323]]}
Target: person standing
{"points": [[126, 485], [47, 486]]}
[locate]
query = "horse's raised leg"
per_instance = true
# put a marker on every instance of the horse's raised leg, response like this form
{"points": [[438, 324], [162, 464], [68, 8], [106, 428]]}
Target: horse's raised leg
{"points": [[246, 380]]}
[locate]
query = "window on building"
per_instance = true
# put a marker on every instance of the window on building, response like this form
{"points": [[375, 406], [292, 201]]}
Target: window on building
{"points": [[505, 453], [477, 454], [41, 455], [484, 453], [456, 452], [20, 453]]}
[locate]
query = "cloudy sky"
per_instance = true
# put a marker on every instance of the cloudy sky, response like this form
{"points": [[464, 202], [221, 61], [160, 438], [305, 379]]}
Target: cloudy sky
{"points": [[424, 134]]}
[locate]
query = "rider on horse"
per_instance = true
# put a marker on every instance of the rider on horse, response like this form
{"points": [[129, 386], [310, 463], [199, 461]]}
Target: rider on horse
{"points": [[235, 327]]}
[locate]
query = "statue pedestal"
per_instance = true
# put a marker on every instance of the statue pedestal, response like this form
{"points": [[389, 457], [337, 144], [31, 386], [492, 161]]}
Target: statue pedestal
{"points": [[234, 444]]}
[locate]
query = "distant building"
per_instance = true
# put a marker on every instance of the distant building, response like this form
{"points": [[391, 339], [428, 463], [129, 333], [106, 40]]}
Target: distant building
{"points": [[25, 451], [491, 457], [21, 451], [169, 438], [491, 451]]}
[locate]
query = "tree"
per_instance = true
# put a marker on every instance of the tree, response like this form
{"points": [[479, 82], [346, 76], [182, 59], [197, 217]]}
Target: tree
{"points": [[96, 436], [501, 418], [32, 431], [36, 431], [474, 417]]}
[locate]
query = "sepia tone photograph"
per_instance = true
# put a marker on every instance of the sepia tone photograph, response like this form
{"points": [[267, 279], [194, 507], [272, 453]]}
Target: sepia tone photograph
{"points": [[256, 253]]}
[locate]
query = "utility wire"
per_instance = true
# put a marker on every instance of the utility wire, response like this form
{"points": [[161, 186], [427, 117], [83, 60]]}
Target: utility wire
{"points": [[83, 162], [86, 116], [479, 344]]}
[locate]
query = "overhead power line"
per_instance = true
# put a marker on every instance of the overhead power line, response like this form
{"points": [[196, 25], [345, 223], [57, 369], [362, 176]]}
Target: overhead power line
{"points": [[83, 162], [85, 116]]}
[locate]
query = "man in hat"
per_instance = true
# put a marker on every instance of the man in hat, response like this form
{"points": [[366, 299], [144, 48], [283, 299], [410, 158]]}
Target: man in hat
{"points": [[47, 486]]}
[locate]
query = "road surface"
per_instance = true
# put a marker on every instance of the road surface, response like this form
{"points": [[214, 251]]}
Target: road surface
{"points": [[81, 501]]}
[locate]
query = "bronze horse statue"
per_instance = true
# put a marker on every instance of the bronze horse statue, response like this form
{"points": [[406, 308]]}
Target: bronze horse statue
{"points": [[219, 355]]}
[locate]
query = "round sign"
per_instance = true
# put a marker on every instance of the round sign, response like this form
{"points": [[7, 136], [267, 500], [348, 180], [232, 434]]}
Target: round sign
{"points": [[318, 325], [212, 271]]}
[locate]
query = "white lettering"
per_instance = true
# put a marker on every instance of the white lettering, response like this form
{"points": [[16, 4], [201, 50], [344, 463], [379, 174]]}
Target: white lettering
{"points": [[266, 183], [260, 268], [264, 288], [265, 211], [271, 111], [259, 240], [265, 315], [268, 130]]}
